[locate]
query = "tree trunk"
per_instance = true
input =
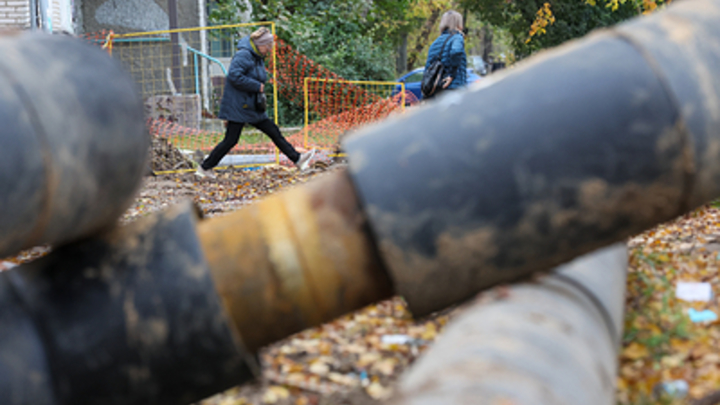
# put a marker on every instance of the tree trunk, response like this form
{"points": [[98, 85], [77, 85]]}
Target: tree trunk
{"points": [[401, 65], [423, 38], [487, 42]]}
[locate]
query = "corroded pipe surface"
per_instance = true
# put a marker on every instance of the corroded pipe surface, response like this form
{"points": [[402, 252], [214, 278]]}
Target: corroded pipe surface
{"points": [[294, 260], [73, 143], [575, 149], [129, 317], [552, 342]]}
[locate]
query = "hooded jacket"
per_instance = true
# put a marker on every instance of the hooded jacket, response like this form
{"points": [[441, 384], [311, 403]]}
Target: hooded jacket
{"points": [[246, 74], [453, 58]]}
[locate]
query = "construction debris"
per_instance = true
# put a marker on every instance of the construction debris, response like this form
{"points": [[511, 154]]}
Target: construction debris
{"points": [[165, 156]]}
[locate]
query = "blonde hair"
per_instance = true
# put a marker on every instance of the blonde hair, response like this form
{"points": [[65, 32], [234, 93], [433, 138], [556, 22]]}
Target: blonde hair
{"points": [[451, 20], [262, 36]]}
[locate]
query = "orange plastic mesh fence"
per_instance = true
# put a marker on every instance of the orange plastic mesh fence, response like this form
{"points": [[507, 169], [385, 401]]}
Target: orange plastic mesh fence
{"points": [[334, 108], [333, 105], [102, 39]]}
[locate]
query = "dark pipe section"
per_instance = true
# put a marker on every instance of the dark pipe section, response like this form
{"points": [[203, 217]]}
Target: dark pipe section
{"points": [[73, 143], [127, 318]]}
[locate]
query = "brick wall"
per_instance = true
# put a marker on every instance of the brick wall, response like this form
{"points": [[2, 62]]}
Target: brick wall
{"points": [[14, 13]]}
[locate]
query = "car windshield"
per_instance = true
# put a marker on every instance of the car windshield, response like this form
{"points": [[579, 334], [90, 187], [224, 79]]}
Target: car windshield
{"points": [[415, 77]]}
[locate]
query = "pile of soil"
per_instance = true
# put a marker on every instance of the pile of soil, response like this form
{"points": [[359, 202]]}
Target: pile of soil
{"points": [[164, 156]]}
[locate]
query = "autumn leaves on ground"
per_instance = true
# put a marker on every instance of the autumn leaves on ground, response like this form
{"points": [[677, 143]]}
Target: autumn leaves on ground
{"points": [[358, 359], [661, 344]]}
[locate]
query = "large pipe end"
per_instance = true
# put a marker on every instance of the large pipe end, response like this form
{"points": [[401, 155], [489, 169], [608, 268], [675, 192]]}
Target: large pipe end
{"points": [[294, 260]]}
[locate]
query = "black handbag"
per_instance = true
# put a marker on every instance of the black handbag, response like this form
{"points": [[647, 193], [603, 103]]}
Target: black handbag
{"points": [[260, 102], [432, 76]]}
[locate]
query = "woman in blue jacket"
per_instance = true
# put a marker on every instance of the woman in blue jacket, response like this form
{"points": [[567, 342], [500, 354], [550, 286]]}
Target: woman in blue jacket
{"points": [[453, 56], [239, 106]]}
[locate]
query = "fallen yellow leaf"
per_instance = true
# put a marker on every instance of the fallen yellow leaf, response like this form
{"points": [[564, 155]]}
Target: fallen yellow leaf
{"points": [[319, 368], [635, 351], [430, 332], [275, 393], [234, 401], [343, 379], [377, 391], [386, 366], [368, 358]]}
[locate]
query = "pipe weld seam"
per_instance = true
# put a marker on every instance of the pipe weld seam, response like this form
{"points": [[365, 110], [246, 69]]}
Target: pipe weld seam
{"points": [[597, 303]]}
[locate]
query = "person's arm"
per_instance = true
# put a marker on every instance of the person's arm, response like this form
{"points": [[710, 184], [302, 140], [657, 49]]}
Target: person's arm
{"points": [[457, 50], [238, 74]]}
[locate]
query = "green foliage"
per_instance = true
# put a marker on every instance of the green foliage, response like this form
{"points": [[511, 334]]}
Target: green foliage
{"points": [[339, 38], [573, 19], [225, 12], [351, 38]]}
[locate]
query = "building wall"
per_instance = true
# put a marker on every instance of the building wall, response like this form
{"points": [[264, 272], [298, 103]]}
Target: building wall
{"points": [[61, 13], [14, 14], [124, 16], [85, 16]]}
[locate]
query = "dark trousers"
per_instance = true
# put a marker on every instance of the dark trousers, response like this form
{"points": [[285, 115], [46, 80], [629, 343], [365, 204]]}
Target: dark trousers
{"points": [[232, 135]]}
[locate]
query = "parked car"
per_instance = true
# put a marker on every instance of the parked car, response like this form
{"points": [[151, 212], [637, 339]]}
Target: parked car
{"points": [[477, 63], [413, 79]]}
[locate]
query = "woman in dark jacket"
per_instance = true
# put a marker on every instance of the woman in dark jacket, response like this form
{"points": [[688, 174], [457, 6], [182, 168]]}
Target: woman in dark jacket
{"points": [[245, 81], [453, 55]]}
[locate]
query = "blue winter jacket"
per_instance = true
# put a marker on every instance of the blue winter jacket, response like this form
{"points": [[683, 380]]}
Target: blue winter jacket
{"points": [[246, 73], [453, 58]]}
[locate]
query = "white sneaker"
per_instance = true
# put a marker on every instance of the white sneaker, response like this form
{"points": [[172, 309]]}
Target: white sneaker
{"points": [[304, 162], [200, 172]]}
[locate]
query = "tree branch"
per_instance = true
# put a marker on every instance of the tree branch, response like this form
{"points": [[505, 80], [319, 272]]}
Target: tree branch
{"points": [[422, 39]]}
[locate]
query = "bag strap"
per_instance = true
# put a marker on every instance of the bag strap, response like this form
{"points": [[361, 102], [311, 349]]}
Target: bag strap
{"points": [[257, 69], [443, 46]]}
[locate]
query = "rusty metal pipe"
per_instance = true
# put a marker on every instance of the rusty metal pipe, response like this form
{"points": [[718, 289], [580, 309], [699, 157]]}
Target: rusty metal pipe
{"points": [[73, 143], [294, 260]]}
